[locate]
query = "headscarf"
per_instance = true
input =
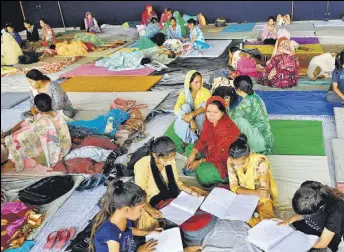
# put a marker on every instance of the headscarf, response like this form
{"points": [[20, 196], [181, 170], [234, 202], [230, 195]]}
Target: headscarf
{"points": [[235, 59], [187, 91], [215, 141], [284, 46], [180, 21], [10, 50], [89, 22], [145, 15]]}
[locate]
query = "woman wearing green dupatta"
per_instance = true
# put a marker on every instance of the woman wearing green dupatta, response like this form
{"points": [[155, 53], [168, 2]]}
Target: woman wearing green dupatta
{"points": [[180, 21]]}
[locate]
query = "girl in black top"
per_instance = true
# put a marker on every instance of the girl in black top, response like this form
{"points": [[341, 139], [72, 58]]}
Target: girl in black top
{"points": [[31, 31], [319, 211]]}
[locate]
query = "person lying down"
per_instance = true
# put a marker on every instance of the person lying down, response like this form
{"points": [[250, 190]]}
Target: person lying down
{"points": [[133, 60]]}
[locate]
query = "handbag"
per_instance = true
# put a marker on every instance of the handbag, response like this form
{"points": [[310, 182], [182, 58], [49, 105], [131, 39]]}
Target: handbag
{"points": [[82, 241], [220, 22], [46, 190]]}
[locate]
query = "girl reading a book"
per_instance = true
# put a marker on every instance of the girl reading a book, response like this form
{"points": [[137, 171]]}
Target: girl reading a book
{"points": [[250, 174], [319, 211], [113, 227], [157, 174]]}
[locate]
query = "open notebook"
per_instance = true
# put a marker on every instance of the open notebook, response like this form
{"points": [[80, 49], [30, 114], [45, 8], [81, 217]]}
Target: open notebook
{"points": [[270, 237], [227, 205], [182, 208], [169, 240]]}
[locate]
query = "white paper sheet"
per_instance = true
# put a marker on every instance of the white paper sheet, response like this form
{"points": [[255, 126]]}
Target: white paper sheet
{"points": [[182, 208], [267, 234], [296, 242], [227, 205], [169, 240]]}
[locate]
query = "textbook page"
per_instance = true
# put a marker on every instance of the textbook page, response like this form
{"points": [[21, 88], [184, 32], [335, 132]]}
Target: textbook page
{"points": [[242, 208], [296, 242], [182, 208], [266, 234], [169, 240], [218, 201]]}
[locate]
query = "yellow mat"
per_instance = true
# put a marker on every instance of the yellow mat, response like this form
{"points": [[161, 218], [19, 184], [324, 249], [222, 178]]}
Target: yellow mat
{"points": [[126, 49], [110, 83], [268, 49]]}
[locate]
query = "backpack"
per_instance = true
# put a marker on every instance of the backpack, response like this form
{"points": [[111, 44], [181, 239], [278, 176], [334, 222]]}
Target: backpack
{"points": [[141, 152], [220, 22]]}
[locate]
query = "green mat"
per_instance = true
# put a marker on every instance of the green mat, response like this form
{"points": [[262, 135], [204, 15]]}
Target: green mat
{"points": [[292, 137], [298, 137]]}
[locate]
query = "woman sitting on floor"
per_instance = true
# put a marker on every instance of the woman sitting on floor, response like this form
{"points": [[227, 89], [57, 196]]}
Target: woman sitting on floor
{"points": [[243, 62], [133, 60], [152, 28], [219, 132], [321, 66], [190, 108], [250, 174], [165, 16], [16, 36], [42, 140], [91, 24], [40, 83], [269, 35], [196, 35], [10, 50], [148, 14], [31, 31], [49, 37], [336, 92], [282, 71], [319, 211], [251, 117], [157, 174], [174, 30]]}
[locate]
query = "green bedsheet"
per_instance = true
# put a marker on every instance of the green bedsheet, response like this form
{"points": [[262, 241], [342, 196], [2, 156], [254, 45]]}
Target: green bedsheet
{"points": [[292, 137]]}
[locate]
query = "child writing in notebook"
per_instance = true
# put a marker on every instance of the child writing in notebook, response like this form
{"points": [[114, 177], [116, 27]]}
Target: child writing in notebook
{"points": [[319, 211], [113, 230]]}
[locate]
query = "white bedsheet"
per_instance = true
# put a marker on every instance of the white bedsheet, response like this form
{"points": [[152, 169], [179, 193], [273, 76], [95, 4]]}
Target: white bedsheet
{"points": [[216, 50]]}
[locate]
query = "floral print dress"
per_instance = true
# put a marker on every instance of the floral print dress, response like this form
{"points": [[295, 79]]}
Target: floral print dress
{"points": [[44, 139]]}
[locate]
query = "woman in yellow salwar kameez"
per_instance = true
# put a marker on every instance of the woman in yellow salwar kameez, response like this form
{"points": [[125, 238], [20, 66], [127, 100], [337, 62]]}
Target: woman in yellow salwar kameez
{"points": [[250, 174], [157, 174]]}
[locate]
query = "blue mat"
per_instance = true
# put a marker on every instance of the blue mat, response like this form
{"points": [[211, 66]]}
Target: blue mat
{"points": [[297, 102], [239, 27]]}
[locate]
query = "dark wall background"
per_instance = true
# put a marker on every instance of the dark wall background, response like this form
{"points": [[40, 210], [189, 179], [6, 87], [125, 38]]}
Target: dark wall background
{"points": [[9, 10], [117, 12]]}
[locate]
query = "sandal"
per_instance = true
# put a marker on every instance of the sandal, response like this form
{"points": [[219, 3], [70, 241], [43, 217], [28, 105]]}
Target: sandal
{"points": [[51, 240], [62, 239]]}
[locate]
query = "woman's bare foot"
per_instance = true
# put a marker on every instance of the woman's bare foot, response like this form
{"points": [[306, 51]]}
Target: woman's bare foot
{"points": [[316, 72], [193, 249]]}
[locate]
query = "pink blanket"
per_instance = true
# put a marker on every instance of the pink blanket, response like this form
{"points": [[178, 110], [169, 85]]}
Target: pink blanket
{"points": [[92, 70]]}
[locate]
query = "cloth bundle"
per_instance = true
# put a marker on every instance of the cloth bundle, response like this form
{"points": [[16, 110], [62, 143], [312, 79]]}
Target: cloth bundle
{"points": [[46, 190]]}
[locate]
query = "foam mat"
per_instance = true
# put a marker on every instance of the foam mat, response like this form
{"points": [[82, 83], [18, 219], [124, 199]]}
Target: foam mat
{"points": [[217, 48], [10, 99], [339, 118], [110, 83], [268, 49], [337, 148], [90, 108]]}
